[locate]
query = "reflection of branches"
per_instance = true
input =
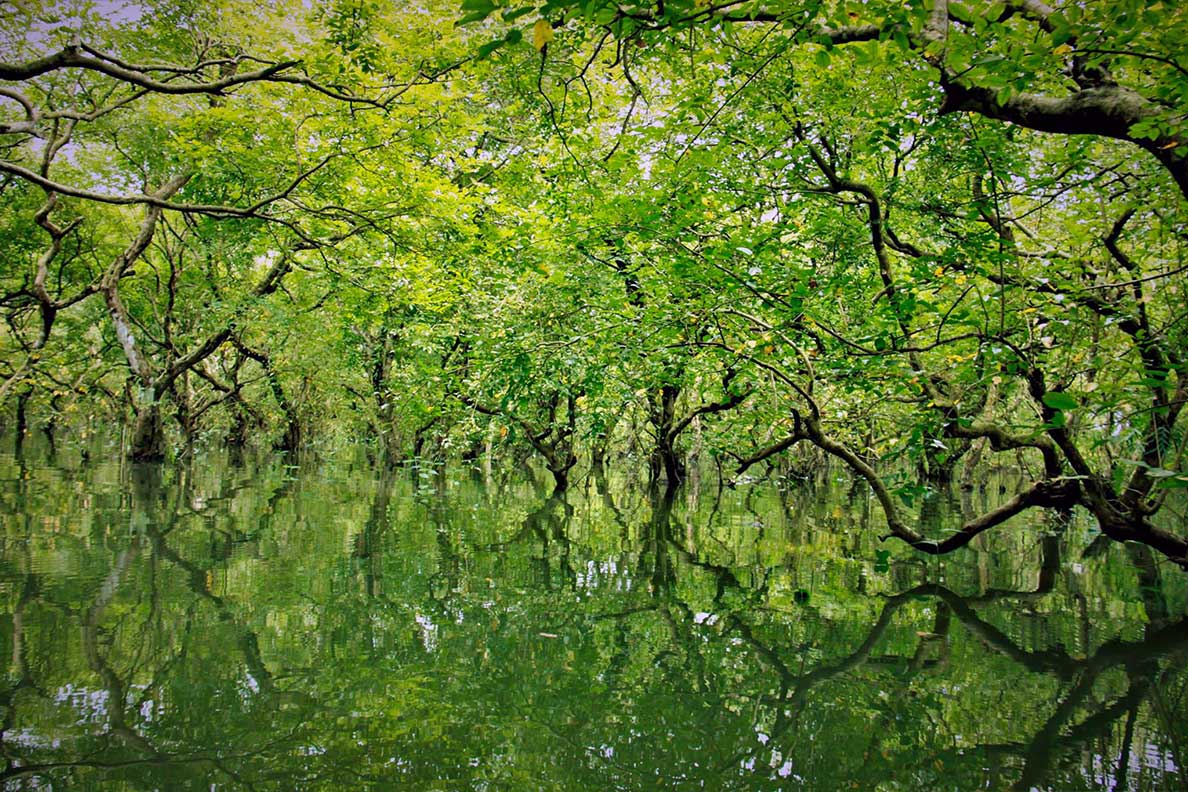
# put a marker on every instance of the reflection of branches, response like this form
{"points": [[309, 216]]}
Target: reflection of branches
{"points": [[195, 578], [1041, 751], [247, 641], [117, 688], [547, 524], [1138, 658], [368, 543], [796, 683], [42, 768], [24, 678]]}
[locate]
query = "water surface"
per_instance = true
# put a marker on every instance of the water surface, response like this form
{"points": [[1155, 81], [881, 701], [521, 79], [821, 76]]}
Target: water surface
{"points": [[267, 627]]}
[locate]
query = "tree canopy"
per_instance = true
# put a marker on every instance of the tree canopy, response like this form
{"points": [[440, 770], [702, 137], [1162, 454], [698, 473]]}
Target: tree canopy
{"points": [[913, 241]]}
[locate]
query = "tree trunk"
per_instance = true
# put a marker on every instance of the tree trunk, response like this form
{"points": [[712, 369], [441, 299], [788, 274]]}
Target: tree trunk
{"points": [[969, 469], [666, 460], [148, 435], [22, 420], [237, 435], [291, 440], [184, 413], [560, 479], [598, 455]]}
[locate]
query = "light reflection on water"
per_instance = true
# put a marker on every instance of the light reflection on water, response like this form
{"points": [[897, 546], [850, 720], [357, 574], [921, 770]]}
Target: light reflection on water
{"points": [[333, 627]]}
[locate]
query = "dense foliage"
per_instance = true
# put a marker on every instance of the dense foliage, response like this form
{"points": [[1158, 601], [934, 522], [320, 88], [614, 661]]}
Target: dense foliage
{"points": [[915, 239]]}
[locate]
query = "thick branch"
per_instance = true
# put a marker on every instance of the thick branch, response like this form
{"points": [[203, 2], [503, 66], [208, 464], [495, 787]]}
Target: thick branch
{"points": [[729, 403], [109, 285], [1107, 110], [72, 57], [745, 463], [156, 199], [267, 285]]}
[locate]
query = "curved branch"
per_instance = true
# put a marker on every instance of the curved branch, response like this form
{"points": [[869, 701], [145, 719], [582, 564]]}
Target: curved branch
{"points": [[1107, 110], [72, 57], [155, 200], [745, 463]]}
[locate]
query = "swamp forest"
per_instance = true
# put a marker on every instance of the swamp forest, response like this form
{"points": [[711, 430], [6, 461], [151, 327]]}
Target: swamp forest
{"points": [[593, 394]]}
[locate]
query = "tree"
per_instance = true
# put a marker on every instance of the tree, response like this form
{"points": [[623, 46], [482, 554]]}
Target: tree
{"points": [[968, 303], [198, 133], [1108, 70]]}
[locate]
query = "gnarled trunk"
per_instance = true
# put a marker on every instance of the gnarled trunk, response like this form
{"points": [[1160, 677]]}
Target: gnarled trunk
{"points": [[665, 461], [148, 435]]}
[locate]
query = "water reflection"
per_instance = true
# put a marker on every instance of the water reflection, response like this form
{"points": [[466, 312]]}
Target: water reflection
{"points": [[268, 627]]}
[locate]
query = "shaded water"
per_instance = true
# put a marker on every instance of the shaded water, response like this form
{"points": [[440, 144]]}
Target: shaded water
{"points": [[214, 626]]}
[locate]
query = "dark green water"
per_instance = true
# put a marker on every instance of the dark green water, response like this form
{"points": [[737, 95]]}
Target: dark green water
{"points": [[261, 627]]}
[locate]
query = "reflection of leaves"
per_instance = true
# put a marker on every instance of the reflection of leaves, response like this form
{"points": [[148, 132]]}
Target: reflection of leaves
{"points": [[355, 686]]}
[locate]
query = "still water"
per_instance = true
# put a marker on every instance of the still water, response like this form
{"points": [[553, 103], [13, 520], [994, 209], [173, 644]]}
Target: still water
{"points": [[265, 627]]}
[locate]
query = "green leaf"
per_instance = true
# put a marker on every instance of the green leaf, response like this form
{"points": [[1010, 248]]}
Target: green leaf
{"points": [[510, 15], [1058, 400], [477, 16], [486, 50]]}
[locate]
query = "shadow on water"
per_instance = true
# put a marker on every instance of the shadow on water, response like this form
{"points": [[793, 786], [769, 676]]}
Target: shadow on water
{"points": [[266, 626]]}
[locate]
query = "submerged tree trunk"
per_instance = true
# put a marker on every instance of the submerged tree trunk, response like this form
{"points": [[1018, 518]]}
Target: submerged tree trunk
{"points": [[187, 421], [148, 435], [290, 440], [598, 455], [420, 437], [560, 479], [666, 462], [237, 435], [22, 420]]}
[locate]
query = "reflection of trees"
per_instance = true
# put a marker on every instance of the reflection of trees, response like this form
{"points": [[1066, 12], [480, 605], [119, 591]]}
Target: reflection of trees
{"points": [[140, 677], [534, 663], [545, 527], [368, 551], [121, 745], [1076, 717]]}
